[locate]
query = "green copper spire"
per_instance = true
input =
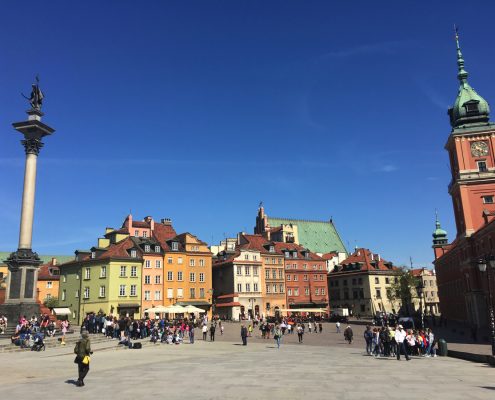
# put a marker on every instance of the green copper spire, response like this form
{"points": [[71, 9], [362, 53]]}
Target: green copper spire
{"points": [[439, 235], [470, 108]]}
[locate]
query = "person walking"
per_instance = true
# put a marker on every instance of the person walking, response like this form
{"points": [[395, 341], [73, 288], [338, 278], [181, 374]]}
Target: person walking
{"points": [[337, 325], [205, 331], [82, 351], [277, 335], [244, 335], [348, 334], [191, 333], [368, 337], [400, 337], [64, 325], [300, 333]]}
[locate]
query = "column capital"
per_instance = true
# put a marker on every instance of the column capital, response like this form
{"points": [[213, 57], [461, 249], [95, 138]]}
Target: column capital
{"points": [[32, 146]]}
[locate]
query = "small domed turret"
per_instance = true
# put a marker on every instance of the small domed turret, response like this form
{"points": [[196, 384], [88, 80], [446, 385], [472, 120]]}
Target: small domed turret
{"points": [[469, 107], [439, 235]]}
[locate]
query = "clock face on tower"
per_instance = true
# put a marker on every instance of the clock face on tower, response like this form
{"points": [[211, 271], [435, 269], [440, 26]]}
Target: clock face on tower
{"points": [[479, 149]]}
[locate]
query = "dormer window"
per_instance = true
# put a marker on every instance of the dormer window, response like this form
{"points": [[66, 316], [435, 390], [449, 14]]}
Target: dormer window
{"points": [[294, 254], [93, 254], [147, 248], [287, 254], [471, 107], [133, 253], [272, 249], [175, 246], [157, 249]]}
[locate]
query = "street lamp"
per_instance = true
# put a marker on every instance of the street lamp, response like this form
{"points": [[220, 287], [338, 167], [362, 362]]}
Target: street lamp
{"points": [[419, 290], [482, 265]]}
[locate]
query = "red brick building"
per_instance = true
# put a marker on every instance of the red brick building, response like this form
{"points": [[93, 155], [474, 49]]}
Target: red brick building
{"points": [[463, 289]]}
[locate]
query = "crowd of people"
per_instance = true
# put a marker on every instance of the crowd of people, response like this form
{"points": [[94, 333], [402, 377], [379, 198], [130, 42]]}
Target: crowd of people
{"points": [[388, 341]]}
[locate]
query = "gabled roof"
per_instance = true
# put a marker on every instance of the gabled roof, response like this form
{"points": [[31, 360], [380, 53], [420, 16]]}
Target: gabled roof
{"points": [[364, 260], [318, 236], [45, 272]]}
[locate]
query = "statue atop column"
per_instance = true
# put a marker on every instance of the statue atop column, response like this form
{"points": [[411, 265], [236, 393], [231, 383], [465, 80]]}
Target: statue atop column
{"points": [[36, 98]]}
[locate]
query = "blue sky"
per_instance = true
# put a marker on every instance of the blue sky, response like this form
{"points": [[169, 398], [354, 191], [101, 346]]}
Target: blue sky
{"points": [[198, 110]]}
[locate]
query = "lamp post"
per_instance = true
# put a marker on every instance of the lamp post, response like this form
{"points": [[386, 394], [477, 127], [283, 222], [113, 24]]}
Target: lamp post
{"points": [[482, 265], [419, 290]]}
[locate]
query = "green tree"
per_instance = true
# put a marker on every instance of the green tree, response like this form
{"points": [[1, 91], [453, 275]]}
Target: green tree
{"points": [[403, 289], [51, 302]]}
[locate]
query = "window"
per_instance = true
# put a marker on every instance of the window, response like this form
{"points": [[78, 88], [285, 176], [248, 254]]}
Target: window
{"points": [[147, 279], [158, 280], [296, 278], [246, 256], [133, 254], [103, 272], [133, 290], [255, 257], [158, 294], [239, 270], [294, 266], [267, 274], [239, 288], [255, 271], [272, 249], [93, 254], [169, 260], [306, 291], [305, 266], [360, 281], [86, 292], [147, 248], [136, 233], [179, 276], [353, 281], [296, 291], [133, 271], [317, 291], [321, 277], [158, 264], [487, 199], [305, 277], [482, 166], [170, 293], [280, 274], [288, 277], [387, 281], [102, 291], [471, 107], [255, 287], [175, 246], [248, 287], [147, 264], [289, 292], [378, 293], [87, 273], [201, 277], [145, 234], [281, 288], [274, 288], [294, 254], [201, 262], [192, 277], [268, 288], [157, 249], [247, 270], [274, 274], [122, 271], [180, 293], [170, 276], [322, 291], [147, 295], [377, 280], [49, 284], [64, 294], [192, 262], [179, 260], [315, 267], [122, 290], [76, 295], [287, 254]]}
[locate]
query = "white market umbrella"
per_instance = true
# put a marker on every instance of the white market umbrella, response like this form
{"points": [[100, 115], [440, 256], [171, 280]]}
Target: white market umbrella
{"points": [[193, 309]]}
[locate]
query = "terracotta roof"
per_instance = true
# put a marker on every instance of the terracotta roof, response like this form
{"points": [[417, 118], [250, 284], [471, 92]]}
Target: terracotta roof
{"points": [[162, 233], [258, 242], [119, 249], [421, 271], [366, 261], [227, 296], [44, 272], [329, 256], [140, 224]]}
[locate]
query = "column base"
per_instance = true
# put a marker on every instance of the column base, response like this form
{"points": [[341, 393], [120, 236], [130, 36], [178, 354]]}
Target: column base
{"points": [[14, 311]]}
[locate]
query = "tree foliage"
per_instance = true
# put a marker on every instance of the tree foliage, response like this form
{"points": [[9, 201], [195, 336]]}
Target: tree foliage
{"points": [[404, 288], [51, 302]]}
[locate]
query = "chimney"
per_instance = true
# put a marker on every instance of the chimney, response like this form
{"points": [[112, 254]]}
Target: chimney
{"points": [[166, 221], [54, 261], [379, 258], [129, 222], [372, 257]]}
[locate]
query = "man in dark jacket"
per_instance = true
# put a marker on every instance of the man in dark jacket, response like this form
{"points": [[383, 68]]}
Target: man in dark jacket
{"points": [[244, 334], [212, 332], [82, 349]]}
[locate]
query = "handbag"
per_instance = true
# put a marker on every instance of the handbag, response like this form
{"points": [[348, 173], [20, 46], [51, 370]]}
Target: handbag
{"points": [[86, 360]]}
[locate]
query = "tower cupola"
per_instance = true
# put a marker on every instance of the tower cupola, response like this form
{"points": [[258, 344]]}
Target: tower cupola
{"points": [[439, 235], [469, 107]]}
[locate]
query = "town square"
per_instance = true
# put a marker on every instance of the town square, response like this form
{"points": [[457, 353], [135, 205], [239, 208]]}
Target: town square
{"points": [[247, 199]]}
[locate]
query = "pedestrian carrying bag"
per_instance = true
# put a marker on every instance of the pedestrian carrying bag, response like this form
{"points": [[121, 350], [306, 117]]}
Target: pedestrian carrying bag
{"points": [[86, 360]]}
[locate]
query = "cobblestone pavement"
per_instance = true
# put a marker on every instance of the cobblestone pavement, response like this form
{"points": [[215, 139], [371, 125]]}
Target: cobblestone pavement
{"points": [[323, 367]]}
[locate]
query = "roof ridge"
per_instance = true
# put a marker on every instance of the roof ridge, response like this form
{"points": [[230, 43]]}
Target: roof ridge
{"points": [[303, 220]]}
